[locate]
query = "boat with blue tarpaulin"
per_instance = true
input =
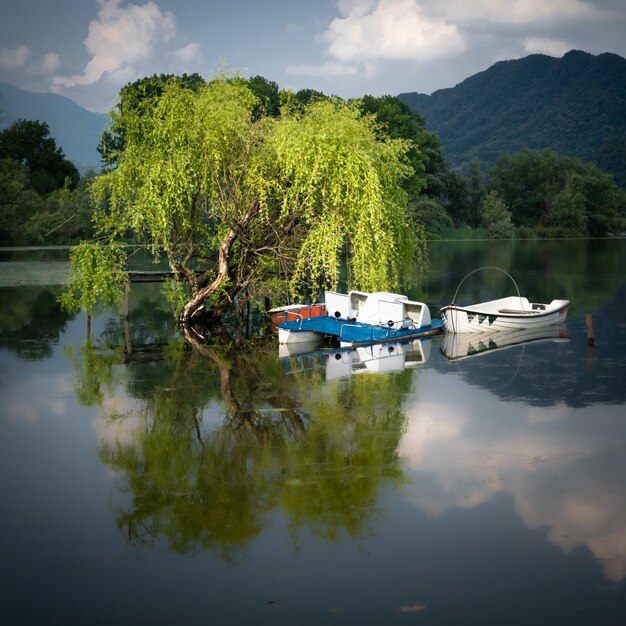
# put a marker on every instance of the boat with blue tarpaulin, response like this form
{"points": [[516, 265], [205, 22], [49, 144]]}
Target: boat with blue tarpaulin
{"points": [[359, 318]]}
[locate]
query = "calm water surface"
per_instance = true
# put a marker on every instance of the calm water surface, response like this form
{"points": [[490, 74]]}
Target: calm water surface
{"points": [[444, 482]]}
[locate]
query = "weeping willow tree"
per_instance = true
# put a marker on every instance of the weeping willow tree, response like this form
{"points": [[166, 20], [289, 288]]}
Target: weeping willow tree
{"points": [[230, 195]]}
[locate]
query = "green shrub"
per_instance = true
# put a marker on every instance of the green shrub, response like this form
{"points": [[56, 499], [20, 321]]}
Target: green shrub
{"points": [[502, 229]]}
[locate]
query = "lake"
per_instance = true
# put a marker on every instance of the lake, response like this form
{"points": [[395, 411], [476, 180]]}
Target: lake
{"points": [[447, 481]]}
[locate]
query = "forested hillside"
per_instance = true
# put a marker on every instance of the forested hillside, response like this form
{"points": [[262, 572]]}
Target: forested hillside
{"points": [[575, 105]]}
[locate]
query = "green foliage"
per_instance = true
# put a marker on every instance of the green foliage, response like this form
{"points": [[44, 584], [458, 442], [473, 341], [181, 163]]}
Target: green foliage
{"points": [[496, 217], [569, 209], [605, 203], [399, 122], [464, 234], [431, 215], [175, 293], [205, 177], [475, 193], [530, 182], [299, 100], [135, 98], [182, 181], [99, 276], [28, 142], [454, 197], [268, 97], [334, 165], [502, 229], [61, 216], [493, 209], [17, 201]]}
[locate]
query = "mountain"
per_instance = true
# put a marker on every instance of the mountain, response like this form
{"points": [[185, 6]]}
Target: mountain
{"points": [[74, 129], [575, 105]]}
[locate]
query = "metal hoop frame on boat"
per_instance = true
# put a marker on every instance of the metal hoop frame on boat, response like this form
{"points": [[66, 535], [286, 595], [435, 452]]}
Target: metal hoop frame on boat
{"points": [[487, 267]]}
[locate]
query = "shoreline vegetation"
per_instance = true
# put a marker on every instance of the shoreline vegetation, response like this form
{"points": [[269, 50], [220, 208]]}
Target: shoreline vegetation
{"points": [[294, 185], [456, 234]]}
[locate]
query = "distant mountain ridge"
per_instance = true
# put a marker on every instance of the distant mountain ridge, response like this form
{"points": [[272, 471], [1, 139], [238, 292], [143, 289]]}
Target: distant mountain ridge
{"points": [[575, 105], [75, 130]]}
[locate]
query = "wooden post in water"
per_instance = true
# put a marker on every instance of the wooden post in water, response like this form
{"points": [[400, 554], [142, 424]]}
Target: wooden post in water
{"points": [[590, 341], [589, 324], [127, 300], [129, 347]]}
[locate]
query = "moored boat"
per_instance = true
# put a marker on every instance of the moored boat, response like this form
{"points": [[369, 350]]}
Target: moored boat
{"points": [[291, 312], [510, 313], [359, 318]]}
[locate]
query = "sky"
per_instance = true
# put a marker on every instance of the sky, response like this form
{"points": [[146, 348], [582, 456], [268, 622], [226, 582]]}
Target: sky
{"points": [[87, 50]]}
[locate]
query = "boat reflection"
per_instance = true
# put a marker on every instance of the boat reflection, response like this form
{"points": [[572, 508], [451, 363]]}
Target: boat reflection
{"points": [[466, 345], [286, 350], [373, 359]]}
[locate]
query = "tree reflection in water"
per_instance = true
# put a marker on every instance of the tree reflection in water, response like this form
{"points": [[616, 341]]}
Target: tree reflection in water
{"points": [[206, 442]]}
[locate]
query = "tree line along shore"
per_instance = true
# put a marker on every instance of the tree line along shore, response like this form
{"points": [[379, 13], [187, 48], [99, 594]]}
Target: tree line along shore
{"points": [[235, 179]]}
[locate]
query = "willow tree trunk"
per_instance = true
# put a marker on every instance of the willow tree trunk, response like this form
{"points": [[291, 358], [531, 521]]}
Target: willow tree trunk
{"points": [[196, 306]]}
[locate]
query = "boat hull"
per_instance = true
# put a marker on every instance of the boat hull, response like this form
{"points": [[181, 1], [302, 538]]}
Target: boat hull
{"points": [[361, 335], [351, 333], [358, 318], [286, 336], [292, 312], [500, 315]]}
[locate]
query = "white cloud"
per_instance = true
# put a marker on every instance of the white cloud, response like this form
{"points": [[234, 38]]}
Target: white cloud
{"points": [[14, 58], [372, 31], [188, 54], [537, 12], [120, 37], [327, 70], [390, 30], [20, 59], [551, 47], [51, 63], [370, 37]]}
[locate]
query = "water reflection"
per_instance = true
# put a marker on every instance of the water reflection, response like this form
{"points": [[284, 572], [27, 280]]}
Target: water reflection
{"points": [[478, 490], [206, 443], [344, 362], [564, 468], [457, 346], [555, 371], [204, 452], [207, 451], [31, 320]]}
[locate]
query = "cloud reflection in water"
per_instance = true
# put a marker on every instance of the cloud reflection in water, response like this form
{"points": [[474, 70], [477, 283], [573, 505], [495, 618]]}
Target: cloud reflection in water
{"points": [[464, 447]]}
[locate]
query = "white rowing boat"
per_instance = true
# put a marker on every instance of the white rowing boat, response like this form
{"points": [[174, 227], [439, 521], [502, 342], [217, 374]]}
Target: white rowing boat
{"points": [[510, 313]]}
